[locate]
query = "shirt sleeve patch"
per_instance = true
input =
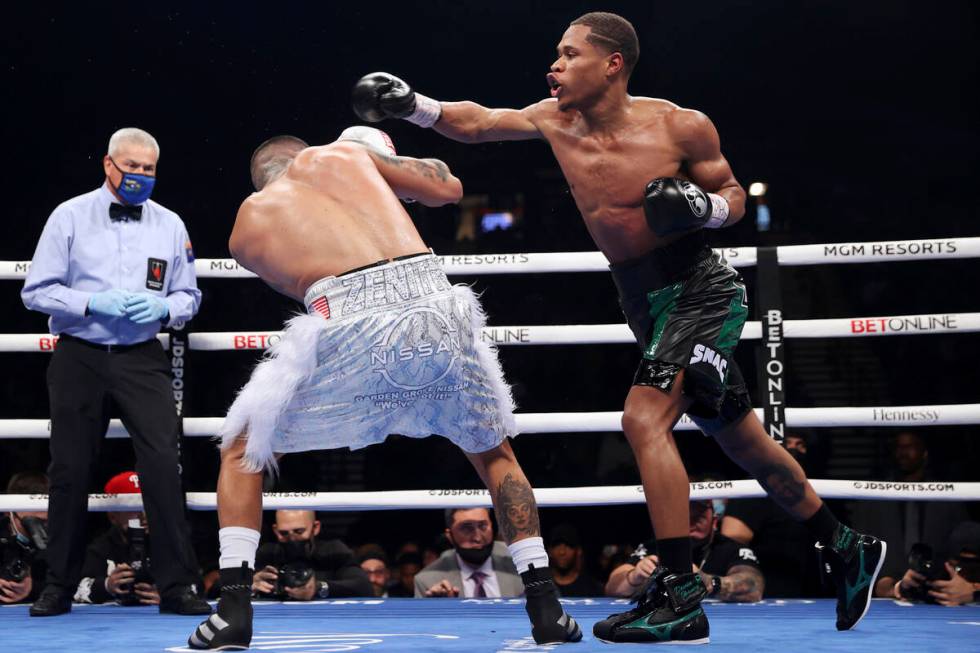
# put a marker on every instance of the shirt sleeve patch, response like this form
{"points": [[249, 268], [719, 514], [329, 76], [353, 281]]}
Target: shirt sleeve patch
{"points": [[746, 554]]}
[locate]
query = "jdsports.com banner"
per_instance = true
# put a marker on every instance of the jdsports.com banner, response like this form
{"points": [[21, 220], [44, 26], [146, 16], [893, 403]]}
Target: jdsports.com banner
{"points": [[546, 497]]}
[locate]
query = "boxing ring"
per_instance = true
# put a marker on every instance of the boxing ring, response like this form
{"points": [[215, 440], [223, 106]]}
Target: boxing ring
{"points": [[500, 625], [492, 626]]}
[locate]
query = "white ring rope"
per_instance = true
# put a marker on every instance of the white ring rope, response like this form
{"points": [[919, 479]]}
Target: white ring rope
{"points": [[608, 421], [546, 497], [829, 253], [578, 334], [904, 250], [45, 342]]}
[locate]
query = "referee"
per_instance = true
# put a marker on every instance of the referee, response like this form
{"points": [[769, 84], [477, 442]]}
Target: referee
{"points": [[111, 268]]}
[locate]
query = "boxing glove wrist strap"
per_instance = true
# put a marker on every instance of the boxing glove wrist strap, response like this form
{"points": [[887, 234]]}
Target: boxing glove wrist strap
{"points": [[427, 111], [719, 212]]}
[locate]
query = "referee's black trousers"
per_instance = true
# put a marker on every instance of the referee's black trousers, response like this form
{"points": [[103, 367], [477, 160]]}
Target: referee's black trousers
{"points": [[82, 380]]}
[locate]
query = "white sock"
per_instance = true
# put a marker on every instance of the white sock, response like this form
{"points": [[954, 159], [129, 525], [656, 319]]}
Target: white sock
{"points": [[238, 545], [529, 551]]}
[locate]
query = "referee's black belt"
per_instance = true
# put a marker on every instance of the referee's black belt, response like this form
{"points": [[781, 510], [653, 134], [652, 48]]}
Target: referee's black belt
{"points": [[109, 348]]}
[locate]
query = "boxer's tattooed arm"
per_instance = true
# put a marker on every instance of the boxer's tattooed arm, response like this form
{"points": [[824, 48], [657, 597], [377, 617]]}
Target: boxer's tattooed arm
{"points": [[428, 168], [782, 484], [743, 584], [516, 510], [439, 169]]}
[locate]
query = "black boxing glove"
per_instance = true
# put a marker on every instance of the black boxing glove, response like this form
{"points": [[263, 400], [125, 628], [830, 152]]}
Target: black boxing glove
{"points": [[672, 205], [379, 95]]}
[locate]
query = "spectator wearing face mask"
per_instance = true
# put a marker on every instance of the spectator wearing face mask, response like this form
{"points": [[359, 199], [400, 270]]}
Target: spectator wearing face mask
{"points": [[23, 540], [476, 566], [300, 567]]}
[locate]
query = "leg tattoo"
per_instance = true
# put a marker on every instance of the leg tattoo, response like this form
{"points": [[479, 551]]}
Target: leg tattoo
{"points": [[517, 511], [782, 485]]}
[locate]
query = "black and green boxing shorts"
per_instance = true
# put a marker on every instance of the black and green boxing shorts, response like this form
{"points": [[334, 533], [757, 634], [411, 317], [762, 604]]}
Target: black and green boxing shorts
{"points": [[686, 307]]}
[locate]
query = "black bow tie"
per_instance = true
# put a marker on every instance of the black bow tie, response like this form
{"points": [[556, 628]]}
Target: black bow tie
{"points": [[125, 211]]}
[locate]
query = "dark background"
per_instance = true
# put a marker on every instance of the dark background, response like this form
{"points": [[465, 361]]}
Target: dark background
{"points": [[860, 116]]}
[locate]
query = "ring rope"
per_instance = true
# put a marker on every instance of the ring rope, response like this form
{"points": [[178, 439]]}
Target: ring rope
{"points": [[553, 262], [577, 334], [545, 497], [609, 421], [904, 250]]}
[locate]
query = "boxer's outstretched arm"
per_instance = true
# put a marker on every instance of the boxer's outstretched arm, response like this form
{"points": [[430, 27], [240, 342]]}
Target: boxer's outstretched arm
{"points": [[469, 122], [380, 95]]}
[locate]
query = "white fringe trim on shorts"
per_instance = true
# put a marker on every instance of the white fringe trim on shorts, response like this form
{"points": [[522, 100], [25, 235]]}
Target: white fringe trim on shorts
{"points": [[288, 363]]}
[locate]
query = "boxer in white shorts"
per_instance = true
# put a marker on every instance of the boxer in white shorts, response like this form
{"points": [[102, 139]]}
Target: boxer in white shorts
{"points": [[388, 346]]}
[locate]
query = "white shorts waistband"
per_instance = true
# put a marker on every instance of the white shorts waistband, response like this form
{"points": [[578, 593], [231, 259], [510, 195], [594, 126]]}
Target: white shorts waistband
{"points": [[376, 288]]}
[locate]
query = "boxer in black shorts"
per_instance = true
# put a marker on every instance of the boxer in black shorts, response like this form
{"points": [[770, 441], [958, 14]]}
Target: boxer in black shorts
{"points": [[686, 307], [647, 177]]}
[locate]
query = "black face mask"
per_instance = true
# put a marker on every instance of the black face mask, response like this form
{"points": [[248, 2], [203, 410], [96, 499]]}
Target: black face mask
{"points": [[477, 556], [300, 550], [36, 531]]}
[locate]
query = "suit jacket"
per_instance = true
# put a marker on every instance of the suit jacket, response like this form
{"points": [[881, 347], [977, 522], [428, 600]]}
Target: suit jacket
{"points": [[446, 566]]}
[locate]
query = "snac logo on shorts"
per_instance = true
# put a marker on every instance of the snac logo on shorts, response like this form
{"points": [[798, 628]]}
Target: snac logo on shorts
{"points": [[705, 354]]}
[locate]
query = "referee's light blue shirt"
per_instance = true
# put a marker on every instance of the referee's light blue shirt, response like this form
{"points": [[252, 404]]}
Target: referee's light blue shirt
{"points": [[82, 252]]}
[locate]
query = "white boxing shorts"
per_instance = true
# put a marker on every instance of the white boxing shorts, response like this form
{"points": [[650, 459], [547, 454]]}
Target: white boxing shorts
{"points": [[392, 348]]}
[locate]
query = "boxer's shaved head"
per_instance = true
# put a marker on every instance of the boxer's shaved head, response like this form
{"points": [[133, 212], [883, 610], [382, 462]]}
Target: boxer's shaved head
{"points": [[612, 33], [272, 157]]}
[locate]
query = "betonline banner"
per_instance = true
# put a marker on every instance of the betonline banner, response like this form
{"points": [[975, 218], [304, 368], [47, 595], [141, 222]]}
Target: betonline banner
{"points": [[772, 367]]}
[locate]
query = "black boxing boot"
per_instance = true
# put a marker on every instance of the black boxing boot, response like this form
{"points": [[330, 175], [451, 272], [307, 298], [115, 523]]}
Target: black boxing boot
{"points": [[853, 561], [550, 624], [668, 610], [230, 627]]}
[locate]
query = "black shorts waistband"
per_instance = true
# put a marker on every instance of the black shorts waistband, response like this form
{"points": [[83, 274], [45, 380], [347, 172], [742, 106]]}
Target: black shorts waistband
{"points": [[385, 261], [663, 266], [106, 348]]}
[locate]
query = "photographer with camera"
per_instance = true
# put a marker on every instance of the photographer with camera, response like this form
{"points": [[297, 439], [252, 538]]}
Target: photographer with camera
{"points": [[117, 563], [952, 581], [728, 569], [905, 523], [299, 567], [23, 540]]}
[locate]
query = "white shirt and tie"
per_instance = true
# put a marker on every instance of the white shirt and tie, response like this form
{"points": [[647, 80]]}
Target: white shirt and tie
{"points": [[486, 576]]}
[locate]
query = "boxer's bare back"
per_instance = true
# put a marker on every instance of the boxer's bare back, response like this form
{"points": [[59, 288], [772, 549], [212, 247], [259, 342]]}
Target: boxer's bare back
{"points": [[334, 209]]}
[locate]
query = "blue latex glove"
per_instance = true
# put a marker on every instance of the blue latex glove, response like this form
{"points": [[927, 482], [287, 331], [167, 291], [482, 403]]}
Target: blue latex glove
{"points": [[110, 303], [143, 308]]}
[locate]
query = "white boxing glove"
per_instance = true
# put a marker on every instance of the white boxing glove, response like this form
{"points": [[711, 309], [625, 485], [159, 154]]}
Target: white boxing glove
{"points": [[370, 137]]}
